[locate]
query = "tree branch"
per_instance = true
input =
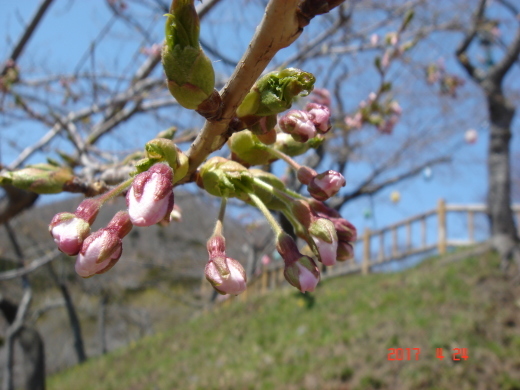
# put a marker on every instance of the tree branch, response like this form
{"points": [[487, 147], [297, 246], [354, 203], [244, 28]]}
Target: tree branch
{"points": [[29, 30], [461, 52]]}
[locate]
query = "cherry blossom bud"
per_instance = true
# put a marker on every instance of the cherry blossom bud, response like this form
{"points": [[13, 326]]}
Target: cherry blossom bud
{"points": [[300, 270], [298, 124], [374, 39], [150, 199], [326, 185], [226, 275], [387, 126], [69, 232], [471, 136], [189, 72], [324, 235], [355, 122], [395, 108], [345, 251], [320, 116], [102, 249]]}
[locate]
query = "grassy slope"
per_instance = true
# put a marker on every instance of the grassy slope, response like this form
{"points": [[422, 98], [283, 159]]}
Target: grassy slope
{"points": [[335, 339]]}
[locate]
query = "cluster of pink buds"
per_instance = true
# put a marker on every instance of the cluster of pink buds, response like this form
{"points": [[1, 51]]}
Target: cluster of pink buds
{"points": [[345, 231], [321, 186], [303, 125], [448, 83], [226, 275], [149, 200], [384, 115]]}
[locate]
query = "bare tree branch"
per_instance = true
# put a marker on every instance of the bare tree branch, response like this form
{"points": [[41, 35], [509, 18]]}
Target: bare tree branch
{"points": [[28, 32]]}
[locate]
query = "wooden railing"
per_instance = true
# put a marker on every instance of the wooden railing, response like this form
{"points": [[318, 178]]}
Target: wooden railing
{"points": [[424, 233]]}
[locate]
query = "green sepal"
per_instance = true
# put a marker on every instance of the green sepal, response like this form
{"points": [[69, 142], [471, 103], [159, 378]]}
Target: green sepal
{"points": [[247, 148], [226, 178], [275, 91], [162, 149]]}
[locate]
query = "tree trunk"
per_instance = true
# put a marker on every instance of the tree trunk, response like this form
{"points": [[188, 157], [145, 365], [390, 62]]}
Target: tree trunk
{"points": [[503, 230], [75, 324], [34, 358]]}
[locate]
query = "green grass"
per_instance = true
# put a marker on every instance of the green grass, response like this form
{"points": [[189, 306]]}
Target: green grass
{"points": [[336, 339]]}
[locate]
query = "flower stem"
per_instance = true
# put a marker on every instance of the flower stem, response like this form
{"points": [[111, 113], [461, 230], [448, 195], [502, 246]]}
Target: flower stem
{"points": [[283, 157], [220, 221], [116, 191], [277, 229]]}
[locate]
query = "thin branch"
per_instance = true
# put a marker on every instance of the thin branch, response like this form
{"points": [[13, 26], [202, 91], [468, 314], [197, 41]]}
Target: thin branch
{"points": [[28, 32], [34, 265], [500, 69], [462, 49]]}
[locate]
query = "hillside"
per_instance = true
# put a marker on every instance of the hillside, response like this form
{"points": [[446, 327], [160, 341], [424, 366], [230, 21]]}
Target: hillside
{"points": [[336, 338]]}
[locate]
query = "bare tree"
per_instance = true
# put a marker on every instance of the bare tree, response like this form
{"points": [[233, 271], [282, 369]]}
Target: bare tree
{"points": [[501, 113]]}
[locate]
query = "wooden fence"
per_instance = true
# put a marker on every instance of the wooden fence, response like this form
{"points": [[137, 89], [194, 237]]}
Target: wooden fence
{"points": [[424, 233]]}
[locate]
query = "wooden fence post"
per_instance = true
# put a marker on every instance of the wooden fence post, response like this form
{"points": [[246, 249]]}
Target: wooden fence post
{"points": [[441, 233], [471, 225], [365, 266]]}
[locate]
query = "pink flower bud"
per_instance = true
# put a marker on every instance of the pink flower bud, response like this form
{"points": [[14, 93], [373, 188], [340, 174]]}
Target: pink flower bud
{"points": [[326, 184], [345, 251], [150, 199], [387, 126], [69, 232], [324, 234], [302, 274], [298, 124], [471, 136], [102, 249], [99, 253], [226, 275], [320, 116], [355, 122], [300, 271], [395, 108]]}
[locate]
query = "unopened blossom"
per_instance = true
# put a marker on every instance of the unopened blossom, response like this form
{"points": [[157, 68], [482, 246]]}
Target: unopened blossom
{"points": [[300, 270], [102, 249], [99, 253], [226, 275], [326, 185], [388, 125], [298, 124], [395, 108], [150, 199], [69, 232], [345, 231], [324, 235], [471, 136], [303, 274], [354, 122], [320, 116], [374, 39]]}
